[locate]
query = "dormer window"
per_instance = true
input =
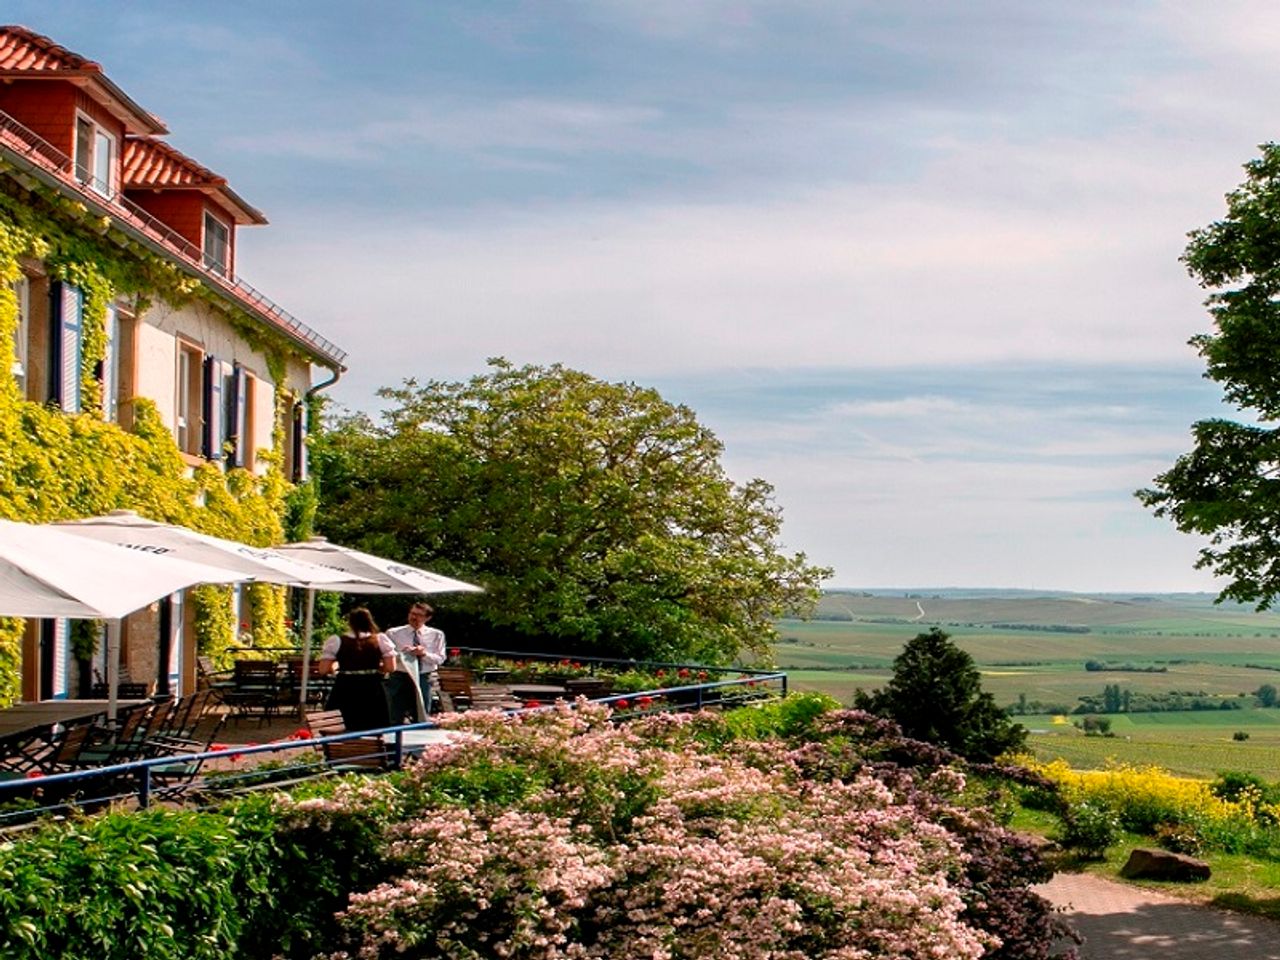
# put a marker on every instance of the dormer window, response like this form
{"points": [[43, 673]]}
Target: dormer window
{"points": [[95, 156], [217, 244]]}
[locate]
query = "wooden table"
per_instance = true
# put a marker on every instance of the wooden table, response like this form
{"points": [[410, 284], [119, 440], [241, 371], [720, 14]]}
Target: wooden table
{"points": [[26, 729], [545, 692], [22, 716]]}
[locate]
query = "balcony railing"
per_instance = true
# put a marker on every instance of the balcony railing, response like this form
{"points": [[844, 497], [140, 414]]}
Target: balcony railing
{"points": [[20, 142]]}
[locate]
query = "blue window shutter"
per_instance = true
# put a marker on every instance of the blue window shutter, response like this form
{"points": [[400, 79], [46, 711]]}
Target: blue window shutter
{"points": [[66, 322], [299, 443], [211, 444], [237, 386], [111, 365]]}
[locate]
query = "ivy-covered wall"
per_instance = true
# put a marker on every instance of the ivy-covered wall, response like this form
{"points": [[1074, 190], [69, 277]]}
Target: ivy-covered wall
{"points": [[56, 466]]}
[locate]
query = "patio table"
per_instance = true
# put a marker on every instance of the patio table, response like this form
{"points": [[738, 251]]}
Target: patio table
{"points": [[48, 712], [27, 729], [538, 691]]}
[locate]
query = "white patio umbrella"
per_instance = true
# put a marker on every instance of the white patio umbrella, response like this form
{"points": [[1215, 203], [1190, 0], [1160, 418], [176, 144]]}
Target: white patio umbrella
{"points": [[46, 572], [128, 529], [381, 576]]}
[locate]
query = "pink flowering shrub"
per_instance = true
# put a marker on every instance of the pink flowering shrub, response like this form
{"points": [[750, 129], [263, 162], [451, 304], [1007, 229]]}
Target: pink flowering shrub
{"points": [[563, 835]]}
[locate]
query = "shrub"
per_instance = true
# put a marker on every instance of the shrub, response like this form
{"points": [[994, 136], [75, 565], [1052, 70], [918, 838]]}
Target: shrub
{"points": [[1237, 785], [1240, 735], [1089, 829], [1180, 838], [562, 834], [1232, 814], [172, 883]]}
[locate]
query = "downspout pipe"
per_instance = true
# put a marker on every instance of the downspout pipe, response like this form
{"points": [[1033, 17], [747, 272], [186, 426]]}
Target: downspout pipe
{"points": [[309, 613]]}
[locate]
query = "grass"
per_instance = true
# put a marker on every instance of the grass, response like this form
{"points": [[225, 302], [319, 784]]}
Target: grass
{"points": [[1189, 744], [1217, 650], [1237, 882], [1203, 648]]}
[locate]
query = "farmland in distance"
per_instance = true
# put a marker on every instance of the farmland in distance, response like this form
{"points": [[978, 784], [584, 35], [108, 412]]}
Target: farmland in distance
{"points": [[1035, 646]]}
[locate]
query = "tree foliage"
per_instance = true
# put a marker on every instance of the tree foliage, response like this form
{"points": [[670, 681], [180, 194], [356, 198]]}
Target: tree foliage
{"points": [[936, 695], [1228, 486], [596, 515]]}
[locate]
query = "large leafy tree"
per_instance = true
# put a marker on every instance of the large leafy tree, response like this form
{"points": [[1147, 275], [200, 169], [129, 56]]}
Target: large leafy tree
{"points": [[596, 515], [1228, 486], [935, 694]]}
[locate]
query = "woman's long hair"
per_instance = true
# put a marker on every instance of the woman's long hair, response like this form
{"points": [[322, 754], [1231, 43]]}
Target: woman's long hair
{"points": [[360, 620]]}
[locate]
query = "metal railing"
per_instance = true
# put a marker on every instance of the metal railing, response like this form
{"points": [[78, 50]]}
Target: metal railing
{"points": [[26, 145], [140, 775], [591, 663]]}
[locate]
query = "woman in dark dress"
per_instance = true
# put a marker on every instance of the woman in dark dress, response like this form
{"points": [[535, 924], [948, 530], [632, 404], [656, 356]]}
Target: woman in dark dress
{"points": [[362, 659]]}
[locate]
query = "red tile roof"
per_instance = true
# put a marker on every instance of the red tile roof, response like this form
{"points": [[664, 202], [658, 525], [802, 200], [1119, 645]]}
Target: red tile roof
{"points": [[151, 164], [25, 53], [154, 163], [22, 49]]}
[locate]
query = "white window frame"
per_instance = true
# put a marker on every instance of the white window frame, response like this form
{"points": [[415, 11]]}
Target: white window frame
{"points": [[188, 418], [21, 332], [87, 169], [222, 267]]}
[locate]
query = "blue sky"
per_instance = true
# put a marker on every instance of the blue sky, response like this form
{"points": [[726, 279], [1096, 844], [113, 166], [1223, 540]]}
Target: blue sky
{"points": [[915, 262]]}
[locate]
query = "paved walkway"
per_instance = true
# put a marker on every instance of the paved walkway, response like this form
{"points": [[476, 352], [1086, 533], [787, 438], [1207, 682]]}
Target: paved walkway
{"points": [[1122, 922]]}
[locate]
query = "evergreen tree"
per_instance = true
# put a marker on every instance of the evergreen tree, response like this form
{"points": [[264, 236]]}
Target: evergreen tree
{"points": [[936, 694]]}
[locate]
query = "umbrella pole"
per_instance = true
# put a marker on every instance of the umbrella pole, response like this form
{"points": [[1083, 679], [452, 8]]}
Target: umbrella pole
{"points": [[113, 668], [306, 651]]}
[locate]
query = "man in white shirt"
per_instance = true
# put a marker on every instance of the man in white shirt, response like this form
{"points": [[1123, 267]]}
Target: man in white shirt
{"points": [[421, 650]]}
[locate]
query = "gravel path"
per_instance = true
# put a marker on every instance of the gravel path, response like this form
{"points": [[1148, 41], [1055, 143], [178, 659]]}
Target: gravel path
{"points": [[1122, 922]]}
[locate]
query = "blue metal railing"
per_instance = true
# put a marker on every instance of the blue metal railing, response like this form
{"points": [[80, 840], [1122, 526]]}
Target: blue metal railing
{"points": [[143, 773]]}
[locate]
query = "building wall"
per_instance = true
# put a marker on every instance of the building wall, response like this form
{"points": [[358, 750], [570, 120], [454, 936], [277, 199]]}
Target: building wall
{"points": [[47, 107], [181, 210], [158, 335]]}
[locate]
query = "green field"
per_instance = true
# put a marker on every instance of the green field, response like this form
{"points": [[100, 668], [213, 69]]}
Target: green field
{"points": [[1213, 650]]}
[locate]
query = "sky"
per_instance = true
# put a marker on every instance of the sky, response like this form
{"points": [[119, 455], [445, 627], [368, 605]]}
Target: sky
{"points": [[915, 263]]}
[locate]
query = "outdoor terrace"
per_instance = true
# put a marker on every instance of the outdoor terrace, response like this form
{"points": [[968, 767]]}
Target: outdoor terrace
{"points": [[200, 761]]}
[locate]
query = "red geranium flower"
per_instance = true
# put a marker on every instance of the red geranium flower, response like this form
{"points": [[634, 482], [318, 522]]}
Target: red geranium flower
{"points": [[455, 652], [645, 701], [684, 672], [531, 704], [660, 673], [622, 704], [34, 774], [302, 733]]}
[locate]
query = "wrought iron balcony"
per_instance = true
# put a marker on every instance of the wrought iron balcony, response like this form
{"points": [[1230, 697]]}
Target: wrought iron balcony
{"points": [[39, 157]]}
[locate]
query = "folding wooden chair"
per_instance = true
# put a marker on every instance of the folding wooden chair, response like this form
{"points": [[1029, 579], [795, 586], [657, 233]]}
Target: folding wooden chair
{"points": [[455, 688], [359, 754]]}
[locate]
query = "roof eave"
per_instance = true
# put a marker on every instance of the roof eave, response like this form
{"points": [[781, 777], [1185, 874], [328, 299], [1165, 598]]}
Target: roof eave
{"points": [[123, 107], [316, 355]]}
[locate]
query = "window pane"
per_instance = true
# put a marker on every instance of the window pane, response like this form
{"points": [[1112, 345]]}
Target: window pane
{"points": [[84, 150], [102, 157], [21, 332], [184, 397], [215, 244]]}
